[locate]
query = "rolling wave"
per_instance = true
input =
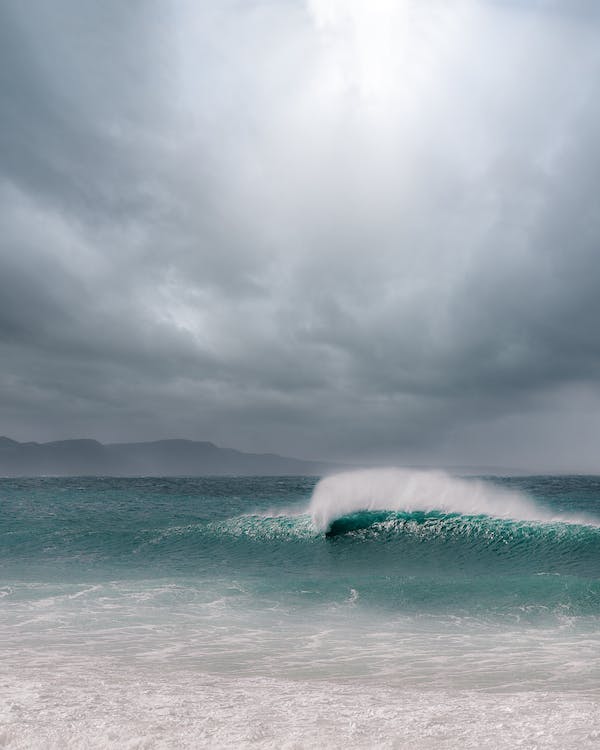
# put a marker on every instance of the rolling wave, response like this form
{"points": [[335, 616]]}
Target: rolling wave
{"points": [[385, 525], [406, 491], [476, 532], [385, 545]]}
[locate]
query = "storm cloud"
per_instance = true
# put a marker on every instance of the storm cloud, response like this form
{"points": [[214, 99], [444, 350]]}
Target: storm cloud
{"points": [[334, 229]]}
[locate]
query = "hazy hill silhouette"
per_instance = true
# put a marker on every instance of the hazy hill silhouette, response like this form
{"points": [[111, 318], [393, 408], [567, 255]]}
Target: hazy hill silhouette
{"points": [[157, 458]]}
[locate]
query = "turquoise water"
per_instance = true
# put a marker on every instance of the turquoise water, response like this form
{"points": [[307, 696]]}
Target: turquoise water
{"points": [[410, 582], [258, 530]]}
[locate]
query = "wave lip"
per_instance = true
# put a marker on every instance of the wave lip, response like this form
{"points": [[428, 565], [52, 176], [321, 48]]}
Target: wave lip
{"points": [[408, 491]]}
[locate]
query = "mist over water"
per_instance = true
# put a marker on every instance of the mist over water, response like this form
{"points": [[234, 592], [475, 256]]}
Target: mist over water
{"points": [[409, 490]]}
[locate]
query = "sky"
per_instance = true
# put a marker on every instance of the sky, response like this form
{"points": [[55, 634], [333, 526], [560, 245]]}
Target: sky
{"points": [[355, 230]]}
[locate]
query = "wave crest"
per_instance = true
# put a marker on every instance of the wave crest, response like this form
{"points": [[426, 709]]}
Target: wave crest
{"points": [[408, 491]]}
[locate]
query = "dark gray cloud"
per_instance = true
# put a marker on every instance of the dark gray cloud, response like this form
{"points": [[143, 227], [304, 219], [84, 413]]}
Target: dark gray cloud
{"points": [[330, 228]]}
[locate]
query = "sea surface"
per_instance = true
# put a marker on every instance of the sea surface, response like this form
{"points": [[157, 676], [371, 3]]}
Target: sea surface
{"points": [[381, 608]]}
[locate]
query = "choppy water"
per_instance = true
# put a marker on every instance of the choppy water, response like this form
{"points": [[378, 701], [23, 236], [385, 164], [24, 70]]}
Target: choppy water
{"points": [[381, 608]]}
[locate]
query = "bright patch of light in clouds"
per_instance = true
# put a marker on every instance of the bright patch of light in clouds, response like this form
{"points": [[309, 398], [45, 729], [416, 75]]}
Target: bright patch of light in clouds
{"points": [[386, 49]]}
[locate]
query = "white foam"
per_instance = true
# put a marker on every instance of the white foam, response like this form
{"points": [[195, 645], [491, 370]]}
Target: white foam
{"points": [[407, 490], [103, 704]]}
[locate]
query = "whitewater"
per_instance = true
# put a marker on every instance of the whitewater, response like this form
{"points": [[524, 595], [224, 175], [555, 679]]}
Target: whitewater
{"points": [[381, 608], [409, 490]]}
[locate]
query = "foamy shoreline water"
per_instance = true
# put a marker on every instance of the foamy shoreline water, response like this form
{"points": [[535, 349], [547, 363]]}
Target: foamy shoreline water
{"points": [[105, 705]]}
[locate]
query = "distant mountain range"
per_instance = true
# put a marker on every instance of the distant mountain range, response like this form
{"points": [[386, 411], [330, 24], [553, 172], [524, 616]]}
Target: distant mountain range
{"points": [[158, 458]]}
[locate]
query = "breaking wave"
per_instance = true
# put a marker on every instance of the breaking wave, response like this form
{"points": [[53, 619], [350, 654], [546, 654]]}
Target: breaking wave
{"points": [[407, 491]]}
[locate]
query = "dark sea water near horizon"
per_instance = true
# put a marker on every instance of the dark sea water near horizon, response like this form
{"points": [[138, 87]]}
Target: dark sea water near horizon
{"points": [[398, 609]]}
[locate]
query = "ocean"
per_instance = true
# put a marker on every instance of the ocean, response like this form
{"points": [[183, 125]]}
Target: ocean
{"points": [[382, 608]]}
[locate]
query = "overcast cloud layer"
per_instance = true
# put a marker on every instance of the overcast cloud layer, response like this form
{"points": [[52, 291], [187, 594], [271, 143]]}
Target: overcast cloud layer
{"points": [[332, 229]]}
